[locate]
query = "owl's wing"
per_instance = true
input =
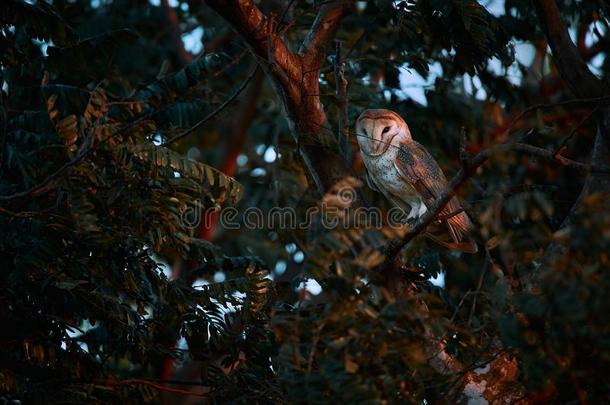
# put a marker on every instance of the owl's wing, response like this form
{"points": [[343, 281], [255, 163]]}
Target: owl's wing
{"points": [[417, 167], [370, 182]]}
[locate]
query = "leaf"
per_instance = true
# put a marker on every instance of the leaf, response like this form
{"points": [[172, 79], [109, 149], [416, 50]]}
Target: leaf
{"points": [[492, 243], [214, 180], [41, 20], [69, 284], [96, 107], [67, 129], [350, 365]]}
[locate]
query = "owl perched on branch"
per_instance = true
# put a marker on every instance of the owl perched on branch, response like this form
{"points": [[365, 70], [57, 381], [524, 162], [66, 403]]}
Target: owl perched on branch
{"points": [[409, 177]]}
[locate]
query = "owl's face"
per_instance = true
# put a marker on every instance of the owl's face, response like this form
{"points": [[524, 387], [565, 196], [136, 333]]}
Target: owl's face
{"points": [[377, 129]]}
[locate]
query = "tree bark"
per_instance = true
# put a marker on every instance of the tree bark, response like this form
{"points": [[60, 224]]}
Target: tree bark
{"points": [[295, 78]]}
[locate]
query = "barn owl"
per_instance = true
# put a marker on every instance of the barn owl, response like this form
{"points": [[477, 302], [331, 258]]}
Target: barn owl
{"points": [[409, 177]]}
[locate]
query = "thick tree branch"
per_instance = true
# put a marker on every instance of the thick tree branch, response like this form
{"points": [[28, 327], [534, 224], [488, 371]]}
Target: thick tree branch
{"points": [[322, 32], [258, 32], [572, 67], [295, 78]]}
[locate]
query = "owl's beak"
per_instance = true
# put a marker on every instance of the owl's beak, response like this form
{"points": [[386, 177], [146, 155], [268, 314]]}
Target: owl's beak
{"points": [[366, 129]]}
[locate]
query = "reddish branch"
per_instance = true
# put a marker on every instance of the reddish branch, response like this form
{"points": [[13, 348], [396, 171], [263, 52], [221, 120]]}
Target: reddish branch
{"points": [[322, 32], [258, 32], [295, 77]]}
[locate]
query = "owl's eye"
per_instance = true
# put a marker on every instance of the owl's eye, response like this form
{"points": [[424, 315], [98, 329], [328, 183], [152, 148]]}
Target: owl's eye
{"points": [[386, 130]]}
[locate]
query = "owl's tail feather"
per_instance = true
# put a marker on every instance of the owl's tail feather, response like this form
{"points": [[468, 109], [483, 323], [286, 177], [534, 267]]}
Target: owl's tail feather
{"points": [[457, 226], [464, 246]]}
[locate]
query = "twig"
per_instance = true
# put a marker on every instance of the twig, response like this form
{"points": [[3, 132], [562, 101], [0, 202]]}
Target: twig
{"points": [[484, 271], [229, 65], [464, 155], [314, 344], [40, 187], [85, 150], [158, 386], [577, 127], [285, 12], [214, 113], [368, 28], [341, 90], [459, 305], [542, 106], [26, 214], [567, 139], [394, 246], [530, 149], [322, 31]]}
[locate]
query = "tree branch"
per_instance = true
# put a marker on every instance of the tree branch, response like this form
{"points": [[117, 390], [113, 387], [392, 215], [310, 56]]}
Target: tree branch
{"points": [[160, 387], [239, 131], [322, 32], [214, 113], [572, 67], [258, 32], [468, 170], [341, 84], [295, 78], [583, 83]]}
